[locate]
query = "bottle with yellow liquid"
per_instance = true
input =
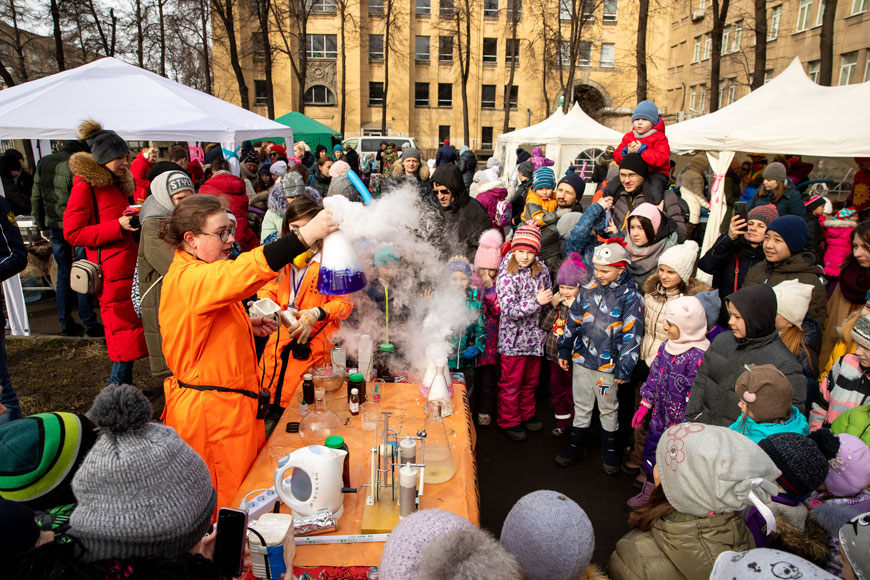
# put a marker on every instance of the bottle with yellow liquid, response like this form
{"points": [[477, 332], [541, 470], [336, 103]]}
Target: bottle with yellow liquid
{"points": [[438, 458]]}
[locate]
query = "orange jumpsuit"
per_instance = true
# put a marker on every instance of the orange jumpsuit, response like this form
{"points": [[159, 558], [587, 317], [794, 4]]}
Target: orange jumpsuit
{"points": [[337, 309], [208, 342]]}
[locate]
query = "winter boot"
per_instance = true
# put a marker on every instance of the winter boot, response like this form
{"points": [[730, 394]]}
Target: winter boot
{"points": [[609, 454], [577, 450], [641, 498]]}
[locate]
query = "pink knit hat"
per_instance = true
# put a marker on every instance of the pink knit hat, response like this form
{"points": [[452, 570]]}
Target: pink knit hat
{"points": [[650, 212], [488, 253], [338, 168], [527, 237], [687, 314]]}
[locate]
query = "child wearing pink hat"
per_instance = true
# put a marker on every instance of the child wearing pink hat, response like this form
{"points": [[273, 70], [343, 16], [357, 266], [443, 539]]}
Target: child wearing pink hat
{"points": [[487, 260]]}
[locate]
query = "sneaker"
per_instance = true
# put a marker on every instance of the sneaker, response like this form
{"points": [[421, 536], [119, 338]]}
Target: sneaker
{"points": [[72, 329], [534, 424], [516, 433], [96, 331], [558, 432], [484, 419]]}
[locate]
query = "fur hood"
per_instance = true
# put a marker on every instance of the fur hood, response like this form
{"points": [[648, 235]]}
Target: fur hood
{"points": [[497, 184], [835, 223], [693, 287], [593, 572], [810, 544], [85, 166], [277, 202], [399, 171]]}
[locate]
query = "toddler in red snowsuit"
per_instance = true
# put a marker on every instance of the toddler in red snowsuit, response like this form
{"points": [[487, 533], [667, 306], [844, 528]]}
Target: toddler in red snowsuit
{"points": [[648, 138]]}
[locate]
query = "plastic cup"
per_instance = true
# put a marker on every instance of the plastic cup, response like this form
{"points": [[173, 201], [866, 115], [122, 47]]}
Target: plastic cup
{"points": [[369, 414]]}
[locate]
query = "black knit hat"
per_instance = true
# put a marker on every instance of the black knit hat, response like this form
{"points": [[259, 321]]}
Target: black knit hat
{"points": [[105, 145], [802, 460], [634, 162]]}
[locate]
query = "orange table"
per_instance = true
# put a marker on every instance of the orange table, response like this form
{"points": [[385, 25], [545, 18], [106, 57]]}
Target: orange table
{"points": [[459, 495]]}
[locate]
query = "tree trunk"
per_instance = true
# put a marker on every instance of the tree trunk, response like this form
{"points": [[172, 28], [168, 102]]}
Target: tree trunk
{"points": [[643, 14], [826, 43], [464, 52], [140, 35], [162, 24], [719, 16], [514, 55], [225, 14], [19, 47], [103, 40], [5, 75], [343, 106], [58, 36], [263, 15], [113, 23], [760, 44], [206, 59], [389, 7]]}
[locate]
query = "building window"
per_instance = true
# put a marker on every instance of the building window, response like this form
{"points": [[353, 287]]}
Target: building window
{"points": [[260, 98], [847, 67], [258, 48], [446, 9], [512, 51], [445, 95], [702, 4], [732, 91], [702, 98], [443, 133], [322, 6], [490, 50], [737, 38], [509, 5], [490, 8], [321, 46], [376, 7], [696, 55], [608, 53], [422, 7], [708, 46], [319, 95], [609, 11], [726, 39], [693, 97], [721, 96], [376, 47], [867, 69], [566, 9], [858, 6], [421, 94], [421, 48], [445, 49], [803, 15], [376, 94], [487, 97], [584, 58], [820, 13], [813, 70], [768, 75], [587, 10], [513, 97], [773, 23], [486, 137]]}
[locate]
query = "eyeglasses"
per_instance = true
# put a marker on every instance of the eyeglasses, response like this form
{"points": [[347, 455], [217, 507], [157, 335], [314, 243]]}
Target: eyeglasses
{"points": [[273, 154], [224, 235], [441, 191]]}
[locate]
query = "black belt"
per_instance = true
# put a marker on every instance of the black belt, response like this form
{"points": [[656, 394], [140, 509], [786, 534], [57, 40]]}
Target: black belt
{"points": [[246, 393]]}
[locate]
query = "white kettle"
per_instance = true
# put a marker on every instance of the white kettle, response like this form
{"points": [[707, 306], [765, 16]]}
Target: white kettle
{"points": [[315, 483]]}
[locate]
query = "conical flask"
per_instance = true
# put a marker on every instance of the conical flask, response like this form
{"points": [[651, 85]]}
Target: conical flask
{"points": [[437, 455], [439, 391], [322, 423], [340, 270]]}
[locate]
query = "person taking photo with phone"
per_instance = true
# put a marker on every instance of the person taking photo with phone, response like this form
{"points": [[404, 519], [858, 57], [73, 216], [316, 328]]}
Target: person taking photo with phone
{"points": [[213, 397]]}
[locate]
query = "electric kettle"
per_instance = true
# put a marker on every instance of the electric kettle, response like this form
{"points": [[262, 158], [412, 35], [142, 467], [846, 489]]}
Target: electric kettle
{"points": [[315, 483]]}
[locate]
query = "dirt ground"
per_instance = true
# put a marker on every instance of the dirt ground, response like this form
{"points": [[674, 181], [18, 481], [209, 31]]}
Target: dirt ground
{"points": [[65, 374]]}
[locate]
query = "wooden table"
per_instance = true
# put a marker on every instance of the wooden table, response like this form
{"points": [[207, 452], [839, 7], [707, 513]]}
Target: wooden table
{"points": [[459, 495]]}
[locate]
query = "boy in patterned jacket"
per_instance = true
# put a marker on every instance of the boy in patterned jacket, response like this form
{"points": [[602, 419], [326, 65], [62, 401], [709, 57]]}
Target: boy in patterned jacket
{"points": [[602, 337]]}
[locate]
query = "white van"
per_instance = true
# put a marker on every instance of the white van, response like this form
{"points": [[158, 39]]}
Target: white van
{"points": [[365, 145]]}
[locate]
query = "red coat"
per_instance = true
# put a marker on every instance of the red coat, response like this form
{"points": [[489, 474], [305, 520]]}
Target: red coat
{"points": [[125, 338], [657, 152], [233, 189], [140, 168]]}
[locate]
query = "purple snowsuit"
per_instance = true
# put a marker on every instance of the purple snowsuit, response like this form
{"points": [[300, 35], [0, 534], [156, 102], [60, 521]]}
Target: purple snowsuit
{"points": [[538, 159], [667, 388]]}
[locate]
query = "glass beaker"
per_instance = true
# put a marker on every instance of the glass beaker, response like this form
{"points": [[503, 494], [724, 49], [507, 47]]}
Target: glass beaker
{"points": [[437, 455], [322, 423]]}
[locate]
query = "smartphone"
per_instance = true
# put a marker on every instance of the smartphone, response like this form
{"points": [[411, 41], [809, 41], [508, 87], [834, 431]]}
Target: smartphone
{"points": [[229, 547], [741, 209]]}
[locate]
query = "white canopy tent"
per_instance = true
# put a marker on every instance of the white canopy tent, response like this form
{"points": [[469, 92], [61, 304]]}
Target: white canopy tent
{"points": [[564, 135], [789, 115], [137, 104]]}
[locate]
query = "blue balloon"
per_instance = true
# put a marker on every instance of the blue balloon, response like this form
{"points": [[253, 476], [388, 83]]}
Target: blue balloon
{"points": [[360, 186]]}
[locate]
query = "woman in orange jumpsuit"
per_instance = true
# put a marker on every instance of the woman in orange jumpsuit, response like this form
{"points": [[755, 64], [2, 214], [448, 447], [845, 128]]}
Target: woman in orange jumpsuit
{"points": [[208, 338], [319, 315]]}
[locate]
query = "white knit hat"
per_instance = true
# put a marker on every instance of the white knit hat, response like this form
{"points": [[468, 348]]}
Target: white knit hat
{"points": [[793, 300], [681, 259]]}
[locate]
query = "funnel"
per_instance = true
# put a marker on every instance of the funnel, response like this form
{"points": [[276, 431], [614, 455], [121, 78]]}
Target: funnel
{"points": [[340, 270]]}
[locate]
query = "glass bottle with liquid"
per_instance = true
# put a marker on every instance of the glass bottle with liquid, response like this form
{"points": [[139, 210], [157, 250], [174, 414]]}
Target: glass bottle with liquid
{"points": [[437, 455], [322, 422], [307, 395]]}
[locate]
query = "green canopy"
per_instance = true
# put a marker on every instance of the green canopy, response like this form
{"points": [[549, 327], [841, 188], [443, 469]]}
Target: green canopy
{"points": [[307, 129]]}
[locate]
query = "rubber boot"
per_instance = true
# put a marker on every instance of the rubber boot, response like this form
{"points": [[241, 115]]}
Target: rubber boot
{"points": [[576, 451], [641, 498], [609, 454]]}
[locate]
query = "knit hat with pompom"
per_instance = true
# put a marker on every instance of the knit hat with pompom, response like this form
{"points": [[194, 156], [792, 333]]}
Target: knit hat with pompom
{"points": [[105, 145], [488, 253], [141, 491], [572, 272], [404, 549]]}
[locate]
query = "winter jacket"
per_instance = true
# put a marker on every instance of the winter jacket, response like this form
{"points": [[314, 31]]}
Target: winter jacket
{"points": [[492, 197], [321, 183], [801, 267], [52, 185], [224, 184], [728, 261], [467, 165], [816, 243], [796, 533], [844, 344], [860, 196], [605, 326], [446, 154], [472, 336], [491, 315], [155, 257], [789, 204], [655, 299], [17, 191], [140, 168], [109, 244], [668, 386], [849, 296], [582, 238], [399, 176], [855, 421], [13, 254], [553, 323], [654, 149], [519, 332], [274, 218], [838, 244], [796, 423], [832, 513], [536, 208], [518, 201], [625, 202], [463, 221], [538, 159], [845, 387], [678, 547]]}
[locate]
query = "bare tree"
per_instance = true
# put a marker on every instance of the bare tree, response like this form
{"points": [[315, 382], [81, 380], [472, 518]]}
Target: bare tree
{"points": [[459, 29], [720, 13], [760, 44], [346, 20], [547, 38], [391, 23], [140, 12], [225, 11], [581, 12], [826, 43], [513, 50], [262, 16], [292, 27], [161, 23], [17, 14], [643, 14], [54, 8], [107, 39]]}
